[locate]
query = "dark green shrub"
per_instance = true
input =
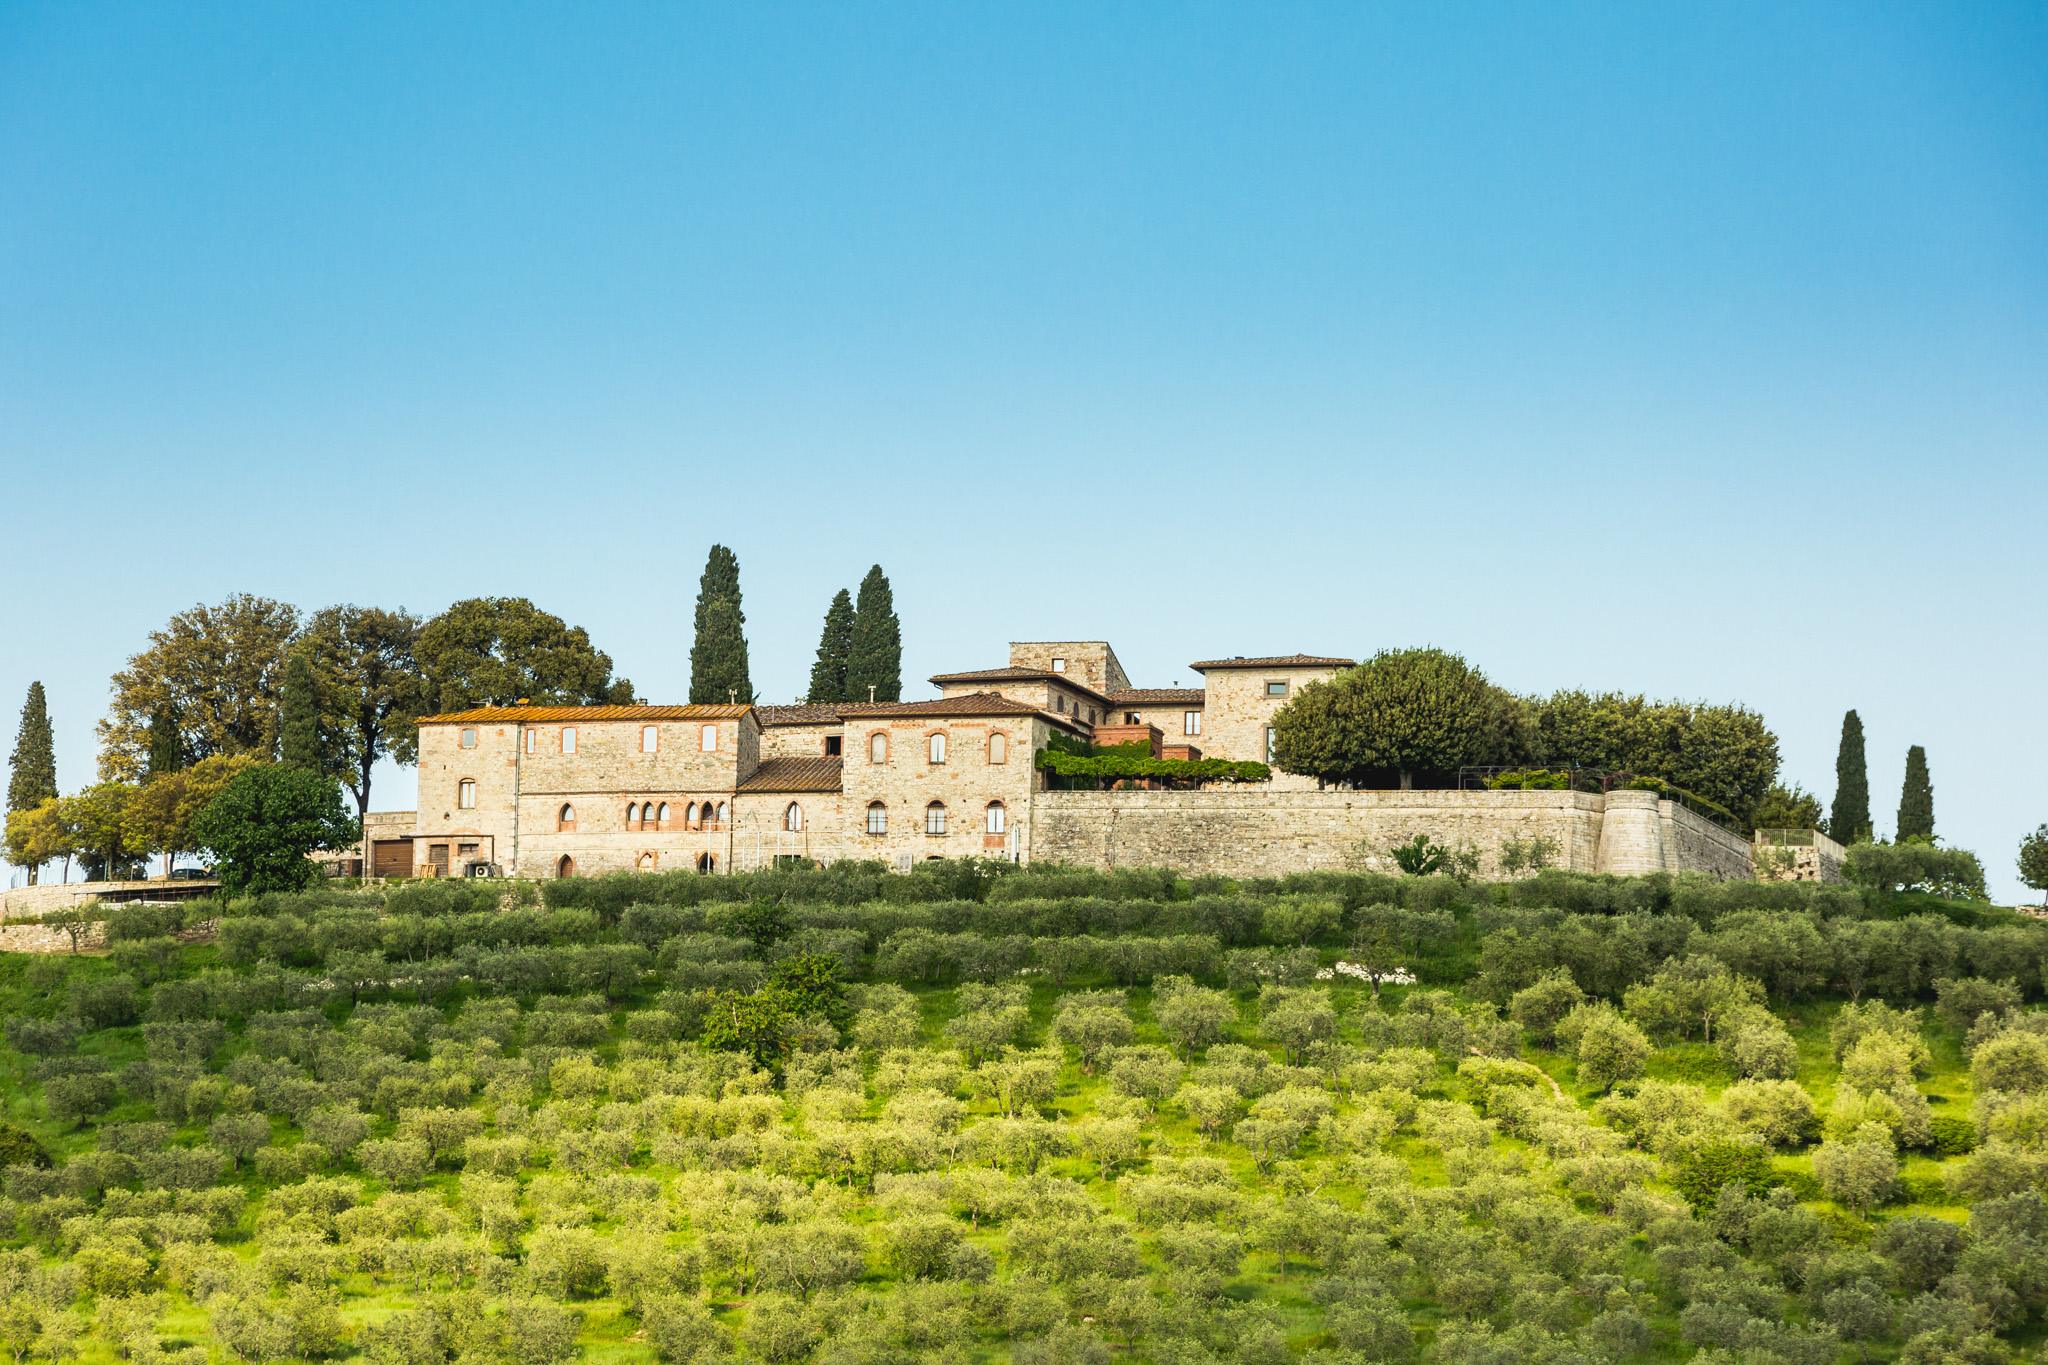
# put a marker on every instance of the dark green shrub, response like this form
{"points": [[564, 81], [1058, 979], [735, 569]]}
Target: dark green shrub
{"points": [[1954, 1136], [1703, 1171], [19, 1148]]}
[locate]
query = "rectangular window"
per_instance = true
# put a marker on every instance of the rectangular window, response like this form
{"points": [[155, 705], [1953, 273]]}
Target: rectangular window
{"points": [[1191, 722], [999, 748], [437, 859], [1059, 704], [469, 739], [650, 737], [934, 819], [465, 850], [569, 739], [878, 819], [1059, 665], [707, 738], [1276, 689], [1131, 718], [532, 740], [938, 748], [832, 746], [878, 748], [465, 795], [1269, 744]]}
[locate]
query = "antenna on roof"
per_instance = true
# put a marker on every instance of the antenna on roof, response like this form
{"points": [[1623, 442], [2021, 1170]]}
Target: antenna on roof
{"points": [[871, 694], [732, 696]]}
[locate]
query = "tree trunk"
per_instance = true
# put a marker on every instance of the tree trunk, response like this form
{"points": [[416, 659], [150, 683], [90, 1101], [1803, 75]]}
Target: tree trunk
{"points": [[1407, 780]]}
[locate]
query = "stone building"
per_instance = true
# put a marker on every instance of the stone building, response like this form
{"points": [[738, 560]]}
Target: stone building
{"points": [[547, 791]]}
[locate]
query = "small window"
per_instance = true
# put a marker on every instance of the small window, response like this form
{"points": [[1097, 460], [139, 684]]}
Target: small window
{"points": [[707, 738], [565, 819], [465, 794], [793, 818], [832, 746], [1059, 665], [1276, 689], [650, 738], [1091, 715], [706, 864], [468, 738], [645, 862], [690, 816], [721, 814], [998, 817], [1269, 744], [1059, 704], [935, 818], [660, 816], [1191, 722], [532, 740], [937, 745], [569, 739], [1131, 718], [999, 747], [878, 818], [632, 815], [878, 748]]}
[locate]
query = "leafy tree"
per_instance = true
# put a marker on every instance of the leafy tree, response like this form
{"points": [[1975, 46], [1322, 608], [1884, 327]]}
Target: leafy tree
{"points": [[1541, 1007], [218, 670], [1403, 710], [1861, 1171], [1723, 753], [1788, 808], [263, 824], [41, 835], [718, 657], [835, 653], [496, 650], [159, 816], [1191, 1016], [239, 1135], [367, 676], [298, 744], [99, 814], [32, 778], [1778, 1111], [1860, 1312], [2034, 859], [1608, 1047], [1916, 798], [1849, 821], [874, 658], [1091, 1028]]}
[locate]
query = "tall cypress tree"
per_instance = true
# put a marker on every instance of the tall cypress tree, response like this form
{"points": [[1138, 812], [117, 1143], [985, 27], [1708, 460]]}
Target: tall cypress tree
{"points": [[718, 659], [34, 760], [1850, 818], [299, 721], [1916, 798], [875, 655], [166, 745], [835, 646]]}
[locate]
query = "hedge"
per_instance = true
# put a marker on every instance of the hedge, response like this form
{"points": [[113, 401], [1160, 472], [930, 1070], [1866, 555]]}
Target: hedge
{"points": [[1179, 770]]}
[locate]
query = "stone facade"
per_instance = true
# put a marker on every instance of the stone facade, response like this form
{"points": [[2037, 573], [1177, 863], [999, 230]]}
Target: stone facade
{"points": [[565, 791]]}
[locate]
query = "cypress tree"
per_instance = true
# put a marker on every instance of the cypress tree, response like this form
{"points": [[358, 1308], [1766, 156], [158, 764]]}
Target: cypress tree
{"points": [[875, 656], [718, 659], [299, 728], [34, 760], [1850, 818], [166, 745], [1916, 798], [835, 645]]}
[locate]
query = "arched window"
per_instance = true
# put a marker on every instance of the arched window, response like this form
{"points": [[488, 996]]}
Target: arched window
{"points": [[645, 862], [936, 744], [878, 748], [661, 816], [565, 819], [878, 818], [632, 815], [721, 816], [793, 818], [465, 794], [690, 816], [998, 817], [566, 867], [999, 747], [935, 818], [706, 863]]}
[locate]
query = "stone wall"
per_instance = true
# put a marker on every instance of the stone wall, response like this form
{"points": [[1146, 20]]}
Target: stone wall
{"points": [[965, 783], [1236, 712], [1263, 833], [1091, 662]]}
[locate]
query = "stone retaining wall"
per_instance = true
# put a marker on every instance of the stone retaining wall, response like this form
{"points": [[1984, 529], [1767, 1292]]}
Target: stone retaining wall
{"points": [[1264, 833]]}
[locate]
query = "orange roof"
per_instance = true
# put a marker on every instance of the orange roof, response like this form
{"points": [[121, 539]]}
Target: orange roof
{"points": [[500, 715], [1274, 661], [1158, 696], [794, 775]]}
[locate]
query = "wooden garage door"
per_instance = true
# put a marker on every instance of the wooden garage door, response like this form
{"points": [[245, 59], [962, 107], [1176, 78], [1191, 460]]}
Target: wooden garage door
{"points": [[391, 858]]}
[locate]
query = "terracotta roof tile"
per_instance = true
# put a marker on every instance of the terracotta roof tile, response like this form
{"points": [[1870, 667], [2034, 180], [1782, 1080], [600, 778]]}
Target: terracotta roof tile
{"points": [[1017, 675], [1274, 661], [976, 704], [805, 713], [794, 775], [493, 715], [1158, 696]]}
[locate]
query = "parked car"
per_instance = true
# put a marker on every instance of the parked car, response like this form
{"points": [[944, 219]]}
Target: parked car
{"points": [[191, 874]]}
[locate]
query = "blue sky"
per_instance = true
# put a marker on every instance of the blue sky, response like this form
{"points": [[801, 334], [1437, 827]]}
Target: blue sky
{"points": [[1695, 351]]}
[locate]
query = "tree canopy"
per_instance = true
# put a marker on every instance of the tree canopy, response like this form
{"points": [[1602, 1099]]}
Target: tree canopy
{"points": [[218, 670], [1916, 798], [718, 655], [835, 652], [32, 775], [298, 744], [1849, 820], [262, 825], [875, 650], [492, 651], [367, 676], [1403, 710]]}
